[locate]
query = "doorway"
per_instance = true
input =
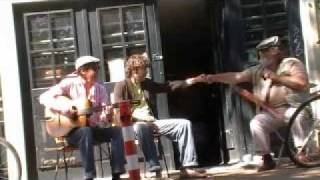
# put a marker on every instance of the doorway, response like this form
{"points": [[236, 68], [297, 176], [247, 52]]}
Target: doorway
{"points": [[187, 41]]}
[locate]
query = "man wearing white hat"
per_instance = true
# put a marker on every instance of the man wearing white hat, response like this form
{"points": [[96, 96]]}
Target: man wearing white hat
{"points": [[280, 82], [83, 85]]}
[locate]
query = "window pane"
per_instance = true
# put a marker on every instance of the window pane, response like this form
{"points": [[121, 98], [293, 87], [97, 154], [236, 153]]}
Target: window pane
{"points": [[256, 11], [113, 53], [133, 24], [254, 36], [38, 30], [62, 71], [41, 59], [254, 23], [110, 26], [62, 30], [272, 9], [246, 2], [64, 58], [44, 77], [114, 64]]}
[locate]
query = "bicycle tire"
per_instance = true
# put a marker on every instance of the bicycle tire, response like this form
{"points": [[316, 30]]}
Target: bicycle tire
{"points": [[3, 165], [291, 150]]}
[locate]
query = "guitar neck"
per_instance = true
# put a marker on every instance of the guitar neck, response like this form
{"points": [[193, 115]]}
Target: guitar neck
{"points": [[90, 110]]}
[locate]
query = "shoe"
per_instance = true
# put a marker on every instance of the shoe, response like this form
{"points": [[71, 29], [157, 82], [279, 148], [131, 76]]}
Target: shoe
{"points": [[268, 163], [186, 173], [301, 157]]}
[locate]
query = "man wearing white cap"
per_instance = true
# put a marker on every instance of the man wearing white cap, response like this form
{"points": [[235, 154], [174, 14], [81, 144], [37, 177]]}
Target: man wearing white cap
{"points": [[83, 85], [281, 83]]}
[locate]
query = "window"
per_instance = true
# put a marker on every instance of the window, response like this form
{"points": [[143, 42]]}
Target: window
{"points": [[122, 33], [51, 44], [262, 19]]}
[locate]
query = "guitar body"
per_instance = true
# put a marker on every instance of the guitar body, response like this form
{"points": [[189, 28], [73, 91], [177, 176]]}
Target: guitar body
{"points": [[58, 124]]}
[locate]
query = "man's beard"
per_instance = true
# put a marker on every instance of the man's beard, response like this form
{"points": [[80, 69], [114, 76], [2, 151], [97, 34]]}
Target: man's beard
{"points": [[266, 62]]}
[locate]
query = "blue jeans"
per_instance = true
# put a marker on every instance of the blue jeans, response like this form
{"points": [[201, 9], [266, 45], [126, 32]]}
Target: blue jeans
{"points": [[86, 137], [177, 130]]}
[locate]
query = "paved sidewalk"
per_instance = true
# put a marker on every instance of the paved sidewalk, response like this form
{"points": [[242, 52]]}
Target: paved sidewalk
{"points": [[246, 171], [287, 171], [238, 171]]}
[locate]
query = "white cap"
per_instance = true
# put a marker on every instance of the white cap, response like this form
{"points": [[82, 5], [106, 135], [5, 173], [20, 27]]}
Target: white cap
{"points": [[85, 60]]}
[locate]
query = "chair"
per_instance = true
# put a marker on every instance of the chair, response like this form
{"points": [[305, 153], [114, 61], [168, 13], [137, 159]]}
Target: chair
{"points": [[162, 156], [62, 147]]}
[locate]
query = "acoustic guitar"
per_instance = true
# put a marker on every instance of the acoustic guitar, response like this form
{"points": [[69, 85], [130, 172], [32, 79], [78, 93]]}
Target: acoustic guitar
{"points": [[59, 125]]}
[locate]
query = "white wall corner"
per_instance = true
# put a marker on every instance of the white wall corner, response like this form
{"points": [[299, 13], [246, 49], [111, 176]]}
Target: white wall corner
{"points": [[310, 31], [12, 103]]}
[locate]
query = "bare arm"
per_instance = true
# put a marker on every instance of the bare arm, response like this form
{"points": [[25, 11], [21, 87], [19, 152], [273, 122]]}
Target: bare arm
{"points": [[297, 81], [295, 78], [229, 77]]}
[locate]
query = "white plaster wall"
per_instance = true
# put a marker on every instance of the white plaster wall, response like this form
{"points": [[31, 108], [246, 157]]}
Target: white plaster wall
{"points": [[311, 37], [11, 84]]}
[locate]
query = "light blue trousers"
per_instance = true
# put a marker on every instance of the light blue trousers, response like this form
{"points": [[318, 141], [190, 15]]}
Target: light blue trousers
{"points": [[177, 130]]}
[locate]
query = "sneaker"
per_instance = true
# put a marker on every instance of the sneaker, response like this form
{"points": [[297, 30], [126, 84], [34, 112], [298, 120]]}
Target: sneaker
{"points": [[268, 163]]}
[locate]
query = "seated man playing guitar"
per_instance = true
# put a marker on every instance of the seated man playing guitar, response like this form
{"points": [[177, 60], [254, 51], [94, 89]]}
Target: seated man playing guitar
{"points": [[280, 84], [79, 123]]}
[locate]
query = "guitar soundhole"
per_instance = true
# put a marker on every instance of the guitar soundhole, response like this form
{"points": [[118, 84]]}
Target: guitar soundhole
{"points": [[74, 114]]}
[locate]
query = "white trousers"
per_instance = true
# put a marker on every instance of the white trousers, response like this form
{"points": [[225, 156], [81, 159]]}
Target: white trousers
{"points": [[263, 124]]}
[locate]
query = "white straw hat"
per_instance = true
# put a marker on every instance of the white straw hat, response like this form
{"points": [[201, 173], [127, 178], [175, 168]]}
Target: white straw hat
{"points": [[85, 60]]}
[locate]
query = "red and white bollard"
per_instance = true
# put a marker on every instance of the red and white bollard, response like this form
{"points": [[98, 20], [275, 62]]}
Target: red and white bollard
{"points": [[129, 140]]}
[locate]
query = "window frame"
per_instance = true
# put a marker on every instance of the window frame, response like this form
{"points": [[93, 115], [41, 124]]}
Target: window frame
{"points": [[51, 49]]}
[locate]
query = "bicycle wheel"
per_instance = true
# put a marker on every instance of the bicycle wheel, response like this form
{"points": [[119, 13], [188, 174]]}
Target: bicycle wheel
{"points": [[305, 120], [10, 165]]}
